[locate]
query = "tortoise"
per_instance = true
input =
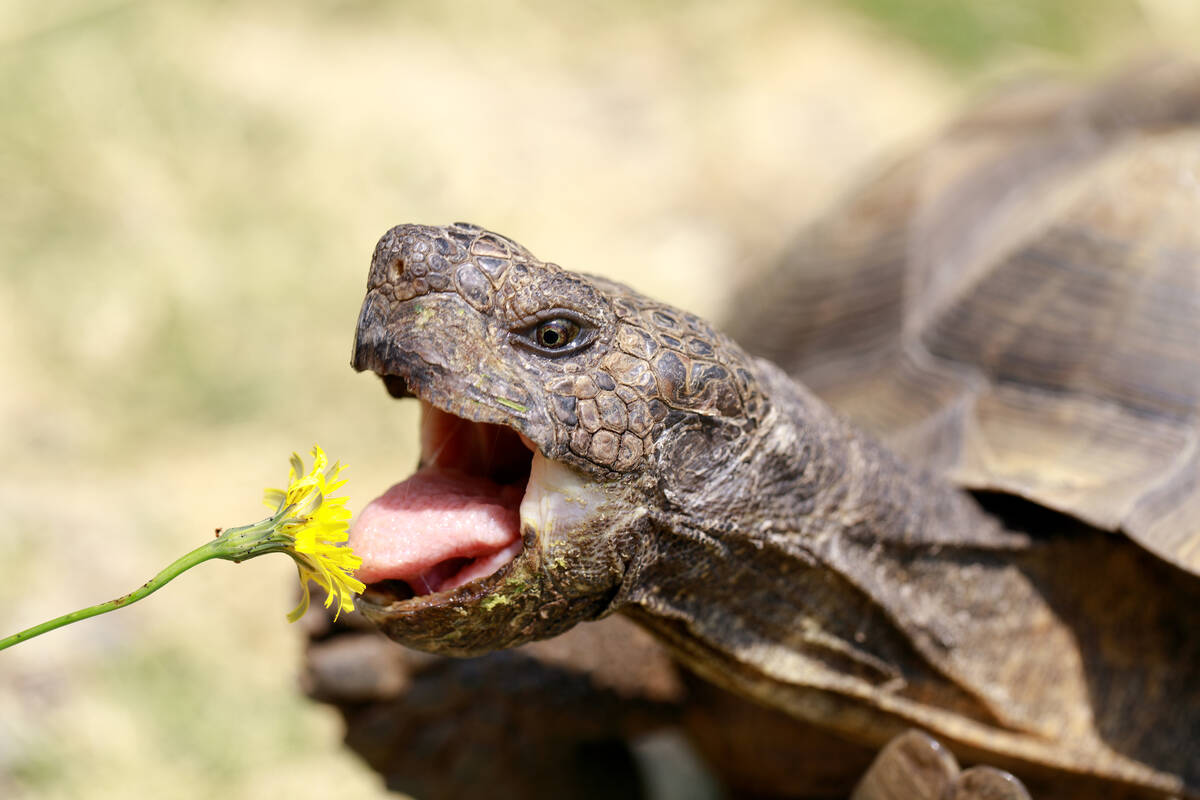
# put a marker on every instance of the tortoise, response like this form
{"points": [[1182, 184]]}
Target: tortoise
{"points": [[938, 470]]}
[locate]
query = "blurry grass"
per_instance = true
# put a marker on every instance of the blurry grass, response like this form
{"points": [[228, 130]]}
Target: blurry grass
{"points": [[168, 716], [159, 198], [190, 195], [971, 33]]}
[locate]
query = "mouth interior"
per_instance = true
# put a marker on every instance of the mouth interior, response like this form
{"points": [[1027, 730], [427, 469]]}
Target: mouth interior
{"points": [[457, 519]]}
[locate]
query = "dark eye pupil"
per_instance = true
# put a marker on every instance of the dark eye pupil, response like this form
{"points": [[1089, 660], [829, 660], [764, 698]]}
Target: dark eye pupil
{"points": [[556, 333]]}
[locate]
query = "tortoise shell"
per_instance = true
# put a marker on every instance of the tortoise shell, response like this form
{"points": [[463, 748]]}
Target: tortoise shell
{"points": [[1018, 307]]}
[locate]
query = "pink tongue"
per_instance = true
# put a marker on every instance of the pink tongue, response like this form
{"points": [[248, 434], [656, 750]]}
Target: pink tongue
{"points": [[439, 514]]}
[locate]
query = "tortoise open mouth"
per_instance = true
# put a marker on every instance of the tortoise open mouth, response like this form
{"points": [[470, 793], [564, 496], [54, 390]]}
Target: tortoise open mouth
{"points": [[456, 521]]}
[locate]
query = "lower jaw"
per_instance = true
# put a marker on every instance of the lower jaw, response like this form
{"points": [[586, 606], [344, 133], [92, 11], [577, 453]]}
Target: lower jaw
{"points": [[556, 501], [446, 576], [559, 577], [455, 521]]}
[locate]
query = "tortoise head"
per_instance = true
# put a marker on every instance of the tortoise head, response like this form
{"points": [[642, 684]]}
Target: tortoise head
{"points": [[564, 418]]}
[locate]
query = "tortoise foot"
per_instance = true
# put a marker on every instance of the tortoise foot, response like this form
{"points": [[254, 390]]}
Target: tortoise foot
{"points": [[987, 783], [915, 766]]}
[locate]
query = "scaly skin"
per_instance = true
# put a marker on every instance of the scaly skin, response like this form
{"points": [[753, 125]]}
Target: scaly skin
{"points": [[775, 550], [441, 310]]}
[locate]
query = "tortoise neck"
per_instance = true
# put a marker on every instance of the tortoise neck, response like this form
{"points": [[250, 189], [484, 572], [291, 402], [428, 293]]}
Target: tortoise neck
{"points": [[864, 492], [809, 481], [792, 572]]}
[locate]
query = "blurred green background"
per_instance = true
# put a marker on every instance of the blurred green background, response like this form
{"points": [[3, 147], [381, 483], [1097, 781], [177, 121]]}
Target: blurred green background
{"points": [[189, 196]]}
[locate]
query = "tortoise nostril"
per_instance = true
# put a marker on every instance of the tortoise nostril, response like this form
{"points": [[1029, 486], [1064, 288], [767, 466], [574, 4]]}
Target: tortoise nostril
{"points": [[396, 267]]}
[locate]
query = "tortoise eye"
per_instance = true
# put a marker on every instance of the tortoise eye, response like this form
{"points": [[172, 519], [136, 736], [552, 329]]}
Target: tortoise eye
{"points": [[555, 334]]}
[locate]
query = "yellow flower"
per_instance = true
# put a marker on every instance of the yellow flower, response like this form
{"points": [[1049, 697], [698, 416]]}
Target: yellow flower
{"points": [[317, 525], [308, 524]]}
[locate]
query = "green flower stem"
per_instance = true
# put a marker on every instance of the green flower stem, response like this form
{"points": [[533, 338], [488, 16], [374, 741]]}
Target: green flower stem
{"points": [[234, 544], [308, 525]]}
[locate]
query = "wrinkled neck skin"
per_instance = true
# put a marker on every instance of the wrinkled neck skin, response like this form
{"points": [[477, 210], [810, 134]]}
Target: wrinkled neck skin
{"points": [[818, 518], [812, 571]]}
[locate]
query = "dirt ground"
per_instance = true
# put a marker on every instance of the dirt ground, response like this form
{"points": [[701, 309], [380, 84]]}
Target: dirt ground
{"points": [[189, 196]]}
